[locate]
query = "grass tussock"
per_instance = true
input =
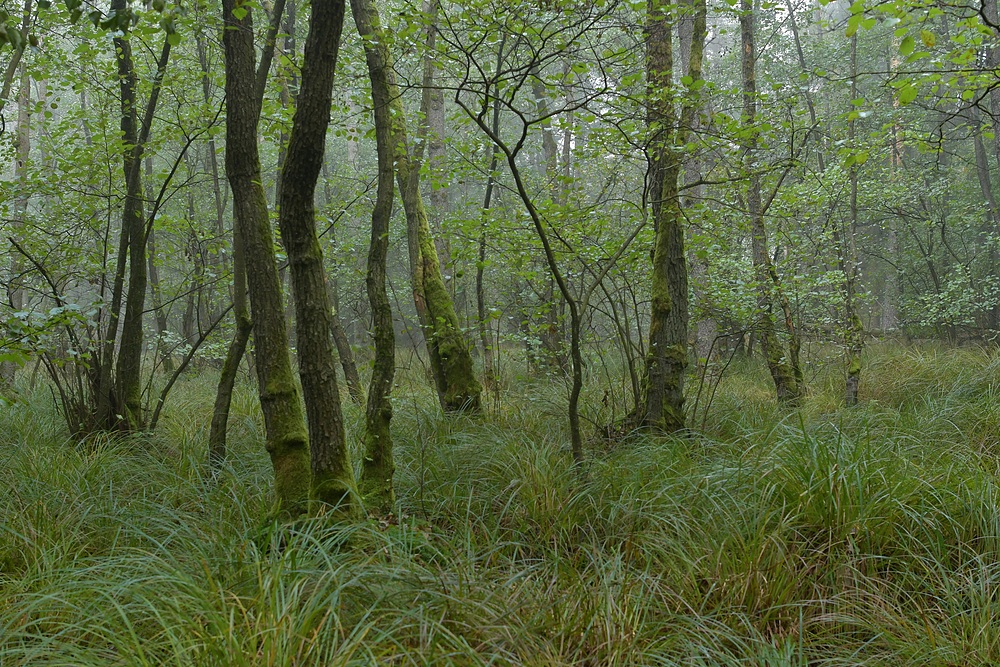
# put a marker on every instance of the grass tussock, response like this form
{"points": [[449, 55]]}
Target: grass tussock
{"points": [[823, 536]]}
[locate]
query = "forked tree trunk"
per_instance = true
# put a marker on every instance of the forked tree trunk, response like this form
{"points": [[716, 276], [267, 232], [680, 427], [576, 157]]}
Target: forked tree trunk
{"points": [[332, 474], [128, 382], [284, 423], [458, 388]]}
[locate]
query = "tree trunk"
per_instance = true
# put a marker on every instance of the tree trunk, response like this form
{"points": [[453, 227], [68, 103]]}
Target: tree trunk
{"points": [[287, 438], [780, 365], [15, 290], [853, 330], [376, 476], [667, 358], [128, 413], [457, 386], [485, 337], [344, 350], [234, 354], [332, 474]]}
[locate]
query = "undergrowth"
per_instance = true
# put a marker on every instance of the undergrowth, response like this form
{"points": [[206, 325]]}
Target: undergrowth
{"points": [[822, 536]]}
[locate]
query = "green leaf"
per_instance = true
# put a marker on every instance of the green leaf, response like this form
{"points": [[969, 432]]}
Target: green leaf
{"points": [[239, 13], [906, 46], [174, 39], [907, 94], [928, 38]]}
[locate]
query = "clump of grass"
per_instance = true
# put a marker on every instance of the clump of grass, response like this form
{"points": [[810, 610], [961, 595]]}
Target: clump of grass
{"points": [[821, 536]]}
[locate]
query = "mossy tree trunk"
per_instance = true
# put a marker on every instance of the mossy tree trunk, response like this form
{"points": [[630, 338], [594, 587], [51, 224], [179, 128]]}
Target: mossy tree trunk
{"points": [[784, 368], [451, 359], [376, 476], [287, 438], [332, 474], [667, 356]]}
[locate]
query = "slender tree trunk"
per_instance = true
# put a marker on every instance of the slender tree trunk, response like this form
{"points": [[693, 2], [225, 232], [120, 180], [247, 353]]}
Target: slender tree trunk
{"points": [[234, 354], [128, 371], [287, 438], [779, 364], [344, 350], [241, 312], [457, 386], [376, 476], [550, 334], [218, 192], [846, 252], [489, 371], [15, 289], [853, 330], [706, 328], [332, 473]]}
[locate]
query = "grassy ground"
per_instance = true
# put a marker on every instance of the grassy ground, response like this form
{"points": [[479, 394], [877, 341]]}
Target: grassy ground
{"points": [[818, 537]]}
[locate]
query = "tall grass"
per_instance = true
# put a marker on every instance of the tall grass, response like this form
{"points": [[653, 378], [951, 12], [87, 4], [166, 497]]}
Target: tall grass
{"points": [[817, 537]]}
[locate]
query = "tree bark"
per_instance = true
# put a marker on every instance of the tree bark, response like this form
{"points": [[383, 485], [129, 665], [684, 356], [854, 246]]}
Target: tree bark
{"points": [[667, 357], [15, 289], [781, 366], [458, 388], [332, 474], [376, 476], [128, 371], [287, 438]]}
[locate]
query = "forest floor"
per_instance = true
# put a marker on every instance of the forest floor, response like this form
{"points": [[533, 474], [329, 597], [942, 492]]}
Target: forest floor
{"points": [[823, 536]]}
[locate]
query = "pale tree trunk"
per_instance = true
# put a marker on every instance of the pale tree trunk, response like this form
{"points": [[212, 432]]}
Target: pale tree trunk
{"points": [[458, 389], [780, 364], [889, 319], [550, 335], [376, 476], [218, 192], [431, 132], [332, 473], [284, 423], [15, 290], [485, 337]]}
